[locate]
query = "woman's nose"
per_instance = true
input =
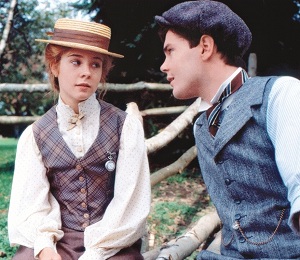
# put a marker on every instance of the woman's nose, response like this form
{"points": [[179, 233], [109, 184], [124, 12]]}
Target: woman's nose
{"points": [[86, 70]]}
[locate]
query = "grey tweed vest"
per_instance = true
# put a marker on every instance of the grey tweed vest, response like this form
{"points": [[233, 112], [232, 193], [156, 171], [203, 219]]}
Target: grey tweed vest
{"points": [[83, 187], [242, 178]]}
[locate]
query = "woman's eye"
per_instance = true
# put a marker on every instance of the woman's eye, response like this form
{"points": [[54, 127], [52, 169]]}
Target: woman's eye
{"points": [[96, 65], [75, 62]]}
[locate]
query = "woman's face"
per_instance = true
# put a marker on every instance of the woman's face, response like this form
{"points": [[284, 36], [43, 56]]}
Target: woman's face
{"points": [[79, 73]]}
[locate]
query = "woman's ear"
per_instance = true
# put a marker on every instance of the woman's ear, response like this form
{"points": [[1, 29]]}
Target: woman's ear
{"points": [[54, 69], [207, 44]]}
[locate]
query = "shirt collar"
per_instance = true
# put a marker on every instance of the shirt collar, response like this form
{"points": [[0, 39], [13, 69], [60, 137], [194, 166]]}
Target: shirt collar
{"points": [[205, 105], [223, 86], [84, 107]]}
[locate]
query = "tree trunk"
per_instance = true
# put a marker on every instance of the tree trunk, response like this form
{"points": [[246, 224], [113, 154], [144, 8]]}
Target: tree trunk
{"points": [[171, 131], [252, 65], [176, 167], [7, 26], [185, 245]]}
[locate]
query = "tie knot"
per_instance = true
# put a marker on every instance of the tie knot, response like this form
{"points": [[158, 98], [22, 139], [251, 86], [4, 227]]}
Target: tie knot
{"points": [[74, 120], [214, 112]]}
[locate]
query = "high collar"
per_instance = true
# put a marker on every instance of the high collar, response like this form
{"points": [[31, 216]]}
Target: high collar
{"points": [[85, 107]]}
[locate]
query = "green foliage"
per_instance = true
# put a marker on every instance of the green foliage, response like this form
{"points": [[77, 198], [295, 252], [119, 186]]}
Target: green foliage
{"points": [[22, 61], [7, 156], [167, 215], [5, 186], [177, 204], [25, 104]]}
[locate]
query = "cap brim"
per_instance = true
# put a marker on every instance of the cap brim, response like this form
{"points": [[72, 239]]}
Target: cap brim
{"points": [[161, 20], [82, 47]]}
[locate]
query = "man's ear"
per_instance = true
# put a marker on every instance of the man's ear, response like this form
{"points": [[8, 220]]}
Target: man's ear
{"points": [[207, 44]]}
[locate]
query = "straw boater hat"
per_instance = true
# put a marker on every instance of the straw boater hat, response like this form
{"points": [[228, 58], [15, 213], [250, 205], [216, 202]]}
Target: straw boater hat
{"points": [[81, 35]]}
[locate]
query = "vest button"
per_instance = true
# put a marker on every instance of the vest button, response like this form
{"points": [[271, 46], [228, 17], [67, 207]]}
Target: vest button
{"points": [[83, 204], [227, 181], [235, 226], [237, 201], [237, 216], [81, 178], [78, 167], [219, 160], [84, 225], [86, 215], [83, 191], [242, 240]]}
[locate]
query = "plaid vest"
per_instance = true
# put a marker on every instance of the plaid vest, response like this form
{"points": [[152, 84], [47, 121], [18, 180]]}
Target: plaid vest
{"points": [[83, 187]]}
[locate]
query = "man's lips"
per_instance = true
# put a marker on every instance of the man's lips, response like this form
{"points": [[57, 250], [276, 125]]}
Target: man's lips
{"points": [[170, 79]]}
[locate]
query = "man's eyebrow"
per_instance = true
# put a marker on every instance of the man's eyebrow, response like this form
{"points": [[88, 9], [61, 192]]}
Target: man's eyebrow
{"points": [[166, 47]]}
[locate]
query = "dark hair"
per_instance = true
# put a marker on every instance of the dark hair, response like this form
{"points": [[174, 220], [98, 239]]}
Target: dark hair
{"points": [[193, 36]]}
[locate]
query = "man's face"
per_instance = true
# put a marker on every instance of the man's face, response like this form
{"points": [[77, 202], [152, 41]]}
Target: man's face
{"points": [[182, 66]]}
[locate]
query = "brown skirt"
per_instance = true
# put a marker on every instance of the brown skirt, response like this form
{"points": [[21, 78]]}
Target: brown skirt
{"points": [[70, 247]]}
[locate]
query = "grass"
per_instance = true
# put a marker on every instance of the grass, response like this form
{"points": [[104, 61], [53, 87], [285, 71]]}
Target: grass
{"points": [[7, 156], [177, 203]]}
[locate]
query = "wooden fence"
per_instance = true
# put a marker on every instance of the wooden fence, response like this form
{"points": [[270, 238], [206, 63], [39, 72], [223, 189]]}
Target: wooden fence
{"points": [[208, 225]]}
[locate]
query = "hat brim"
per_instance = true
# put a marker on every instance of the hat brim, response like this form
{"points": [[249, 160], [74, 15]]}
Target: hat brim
{"points": [[82, 47]]}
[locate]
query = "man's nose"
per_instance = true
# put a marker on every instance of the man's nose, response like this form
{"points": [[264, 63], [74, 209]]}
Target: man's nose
{"points": [[163, 67]]}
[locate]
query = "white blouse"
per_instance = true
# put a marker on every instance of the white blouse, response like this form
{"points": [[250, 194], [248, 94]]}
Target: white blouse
{"points": [[34, 216]]}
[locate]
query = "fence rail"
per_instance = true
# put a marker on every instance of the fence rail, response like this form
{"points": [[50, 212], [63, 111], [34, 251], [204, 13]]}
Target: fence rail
{"points": [[115, 87]]}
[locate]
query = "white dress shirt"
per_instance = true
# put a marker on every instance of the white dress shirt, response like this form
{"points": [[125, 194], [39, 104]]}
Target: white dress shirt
{"points": [[34, 216]]}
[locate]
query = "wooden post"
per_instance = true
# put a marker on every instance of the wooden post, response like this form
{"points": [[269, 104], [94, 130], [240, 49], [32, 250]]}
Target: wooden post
{"points": [[252, 65]]}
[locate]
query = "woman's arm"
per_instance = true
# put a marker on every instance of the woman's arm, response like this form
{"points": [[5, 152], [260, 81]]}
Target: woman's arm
{"points": [[124, 220], [34, 216]]}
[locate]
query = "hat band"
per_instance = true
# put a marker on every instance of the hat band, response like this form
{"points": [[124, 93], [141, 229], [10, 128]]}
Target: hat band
{"points": [[81, 37]]}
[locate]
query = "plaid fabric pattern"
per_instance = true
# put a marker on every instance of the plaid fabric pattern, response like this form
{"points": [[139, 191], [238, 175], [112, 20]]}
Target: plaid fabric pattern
{"points": [[83, 187]]}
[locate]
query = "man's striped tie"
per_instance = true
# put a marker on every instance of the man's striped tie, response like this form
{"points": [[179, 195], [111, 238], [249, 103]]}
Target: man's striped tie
{"points": [[214, 111]]}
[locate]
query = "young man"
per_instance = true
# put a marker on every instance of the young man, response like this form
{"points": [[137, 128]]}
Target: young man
{"points": [[248, 142]]}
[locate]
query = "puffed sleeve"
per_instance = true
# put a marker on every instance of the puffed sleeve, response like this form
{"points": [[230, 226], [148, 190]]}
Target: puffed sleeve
{"points": [[34, 215], [124, 220]]}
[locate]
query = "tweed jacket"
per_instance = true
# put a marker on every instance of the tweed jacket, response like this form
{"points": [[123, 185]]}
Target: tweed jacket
{"points": [[83, 187], [239, 169]]}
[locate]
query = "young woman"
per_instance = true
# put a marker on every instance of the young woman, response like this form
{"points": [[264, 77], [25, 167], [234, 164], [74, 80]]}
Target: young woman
{"points": [[81, 187]]}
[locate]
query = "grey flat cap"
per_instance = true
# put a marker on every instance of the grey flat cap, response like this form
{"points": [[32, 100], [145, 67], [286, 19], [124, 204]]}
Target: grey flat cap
{"points": [[209, 17]]}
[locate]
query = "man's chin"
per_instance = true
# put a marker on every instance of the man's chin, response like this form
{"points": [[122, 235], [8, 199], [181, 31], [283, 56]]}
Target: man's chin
{"points": [[180, 95]]}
